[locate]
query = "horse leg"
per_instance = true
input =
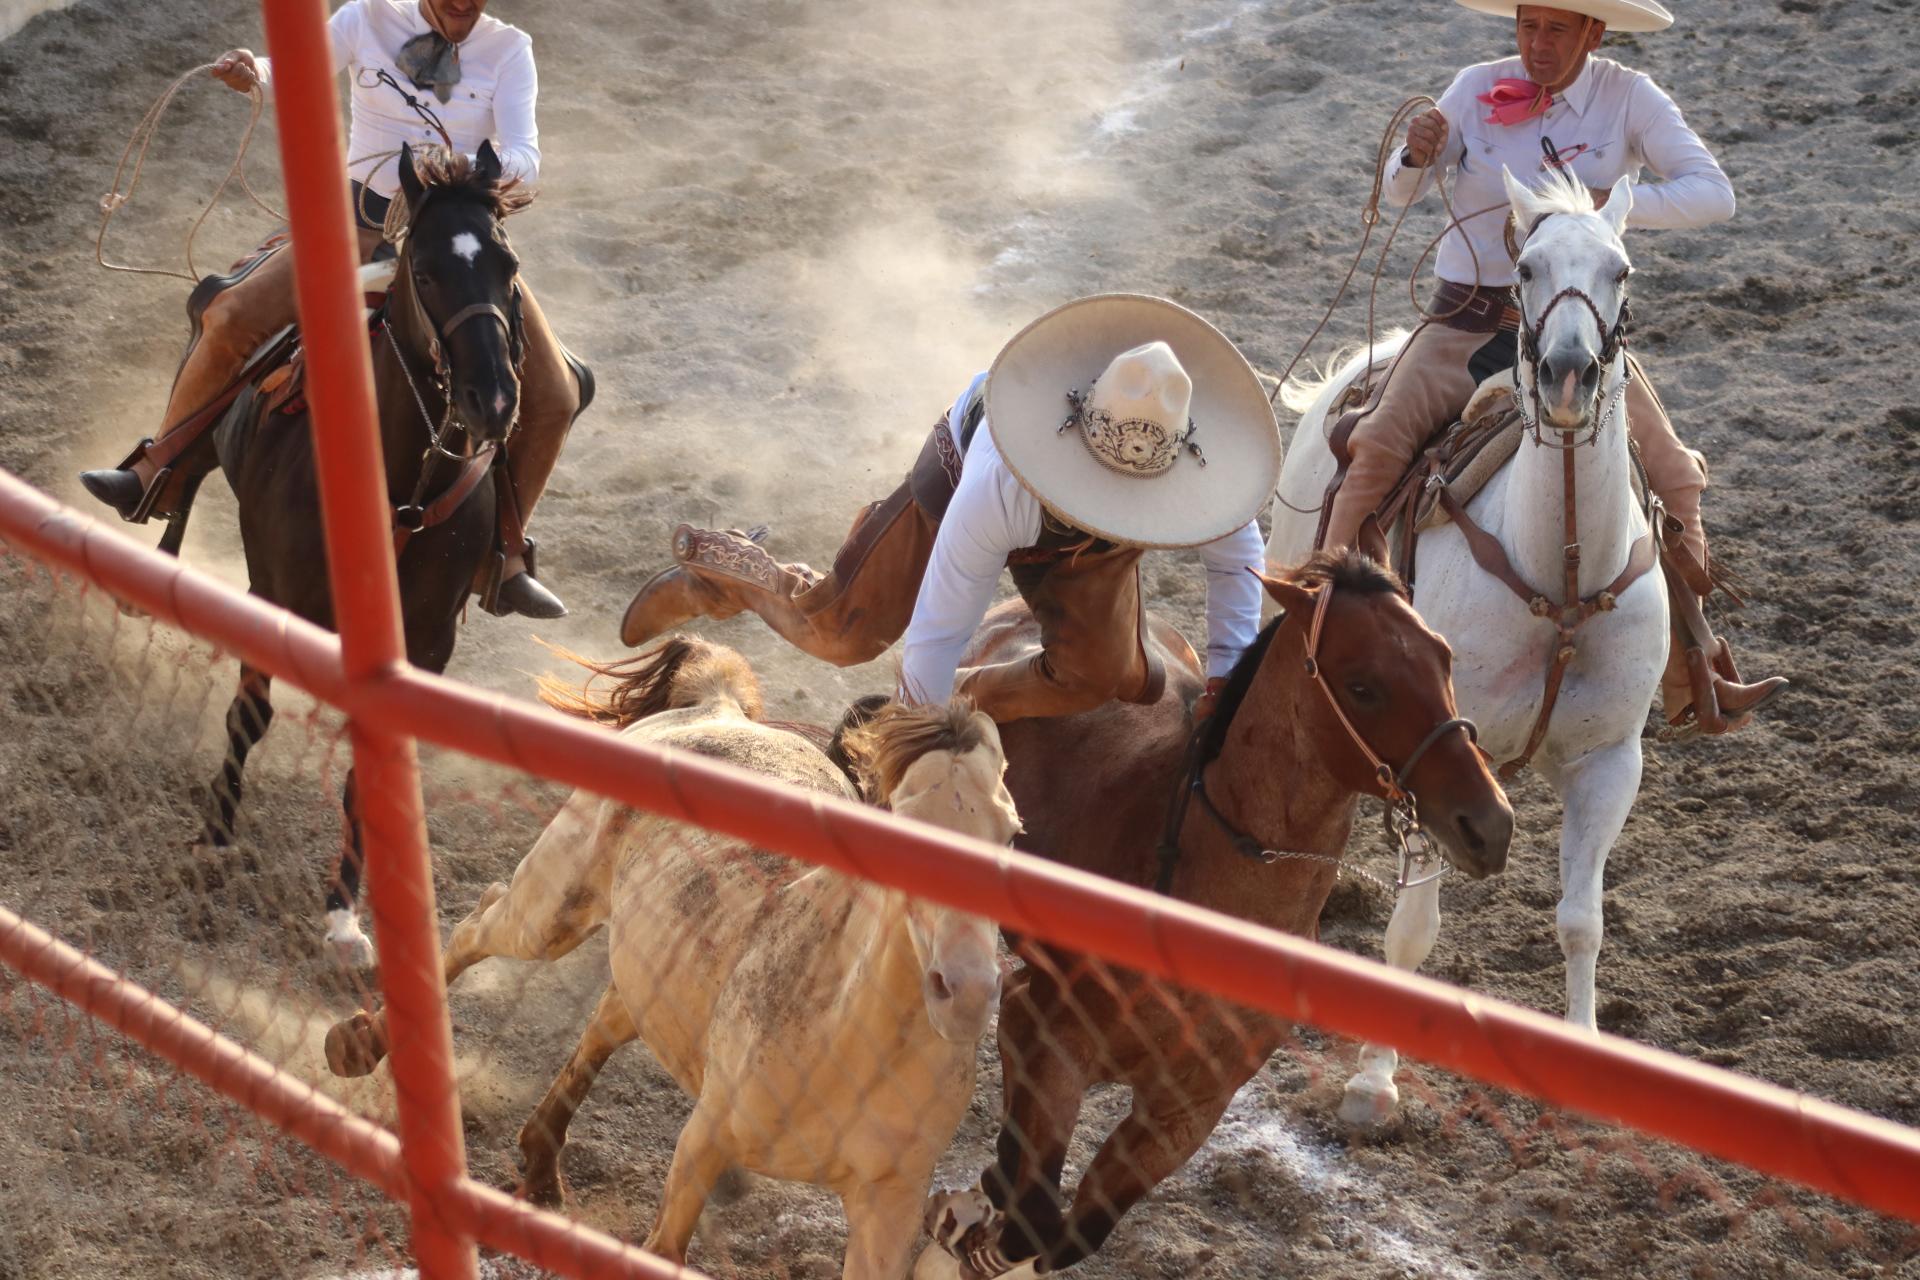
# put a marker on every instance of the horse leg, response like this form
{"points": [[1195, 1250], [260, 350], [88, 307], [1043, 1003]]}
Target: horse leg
{"points": [[545, 1131], [1371, 1094], [547, 912], [1045, 1083], [1598, 791], [698, 1162], [351, 945], [248, 717], [1165, 1126], [883, 1220]]}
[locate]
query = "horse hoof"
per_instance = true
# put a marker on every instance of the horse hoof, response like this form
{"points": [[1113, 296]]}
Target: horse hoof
{"points": [[1368, 1105], [951, 1214], [935, 1263], [355, 1046], [351, 946], [546, 1191]]}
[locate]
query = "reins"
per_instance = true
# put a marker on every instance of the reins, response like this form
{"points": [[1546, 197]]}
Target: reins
{"points": [[1400, 815]]}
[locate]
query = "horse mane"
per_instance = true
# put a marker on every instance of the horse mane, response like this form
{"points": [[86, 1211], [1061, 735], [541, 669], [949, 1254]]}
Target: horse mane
{"points": [[1299, 392], [1347, 570], [882, 748], [1560, 192], [678, 672], [442, 170]]}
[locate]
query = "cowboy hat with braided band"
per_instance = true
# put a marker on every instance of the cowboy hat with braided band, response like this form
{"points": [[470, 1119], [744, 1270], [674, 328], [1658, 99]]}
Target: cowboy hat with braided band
{"points": [[1618, 15], [1135, 420]]}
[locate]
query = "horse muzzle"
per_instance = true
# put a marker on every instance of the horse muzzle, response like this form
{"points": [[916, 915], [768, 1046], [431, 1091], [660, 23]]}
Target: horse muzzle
{"points": [[1477, 836], [1568, 382], [961, 1002], [489, 411]]}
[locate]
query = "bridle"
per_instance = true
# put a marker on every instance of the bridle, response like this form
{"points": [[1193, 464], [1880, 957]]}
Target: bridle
{"points": [[416, 514], [1400, 812], [512, 320], [1572, 612], [1612, 344]]}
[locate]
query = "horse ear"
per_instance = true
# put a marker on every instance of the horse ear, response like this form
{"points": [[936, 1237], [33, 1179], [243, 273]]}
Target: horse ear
{"points": [[1373, 542], [410, 184], [487, 161], [1619, 204], [1519, 197], [1293, 599]]}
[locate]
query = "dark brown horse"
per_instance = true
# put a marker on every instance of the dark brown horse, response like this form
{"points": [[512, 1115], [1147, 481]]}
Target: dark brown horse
{"points": [[1284, 760], [446, 356]]}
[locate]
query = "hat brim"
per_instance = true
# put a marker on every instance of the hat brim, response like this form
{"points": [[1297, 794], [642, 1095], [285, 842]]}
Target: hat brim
{"points": [[1187, 504], [1618, 15]]}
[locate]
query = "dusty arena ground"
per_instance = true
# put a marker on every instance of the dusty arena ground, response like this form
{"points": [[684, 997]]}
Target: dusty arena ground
{"points": [[784, 234]]}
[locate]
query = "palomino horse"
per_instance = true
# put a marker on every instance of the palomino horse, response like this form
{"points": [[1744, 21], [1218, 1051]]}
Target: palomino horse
{"points": [[1567, 522], [1344, 696], [447, 351], [825, 1026]]}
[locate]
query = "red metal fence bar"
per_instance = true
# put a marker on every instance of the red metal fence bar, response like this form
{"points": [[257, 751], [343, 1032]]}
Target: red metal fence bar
{"points": [[366, 607], [362, 1148], [1860, 1158]]}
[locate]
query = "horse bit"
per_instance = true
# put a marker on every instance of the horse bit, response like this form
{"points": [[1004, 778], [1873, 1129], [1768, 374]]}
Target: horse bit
{"points": [[1420, 860]]}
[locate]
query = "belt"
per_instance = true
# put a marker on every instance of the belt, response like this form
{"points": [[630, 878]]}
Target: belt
{"points": [[1474, 310]]}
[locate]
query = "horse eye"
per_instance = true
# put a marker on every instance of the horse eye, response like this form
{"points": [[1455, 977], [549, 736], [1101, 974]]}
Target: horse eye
{"points": [[1359, 692], [1526, 274], [1622, 277]]}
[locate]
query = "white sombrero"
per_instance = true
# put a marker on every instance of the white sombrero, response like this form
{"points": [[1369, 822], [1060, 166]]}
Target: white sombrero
{"points": [[1618, 15], [1135, 420]]}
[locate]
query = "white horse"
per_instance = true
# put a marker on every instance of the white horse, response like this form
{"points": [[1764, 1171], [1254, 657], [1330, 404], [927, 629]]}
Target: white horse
{"points": [[825, 1027], [1573, 270]]}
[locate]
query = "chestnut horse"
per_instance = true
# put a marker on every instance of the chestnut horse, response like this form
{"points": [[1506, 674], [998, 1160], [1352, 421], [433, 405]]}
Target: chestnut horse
{"points": [[825, 1026], [1347, 689]]}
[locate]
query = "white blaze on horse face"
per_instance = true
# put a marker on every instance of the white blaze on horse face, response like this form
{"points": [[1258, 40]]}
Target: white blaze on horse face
{"points": [[467, 246], [958, 952]]}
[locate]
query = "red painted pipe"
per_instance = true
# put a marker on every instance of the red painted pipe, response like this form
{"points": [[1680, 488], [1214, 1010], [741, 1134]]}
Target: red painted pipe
{"points": [[361, 1148], [366, 606], [1857, 1157]]}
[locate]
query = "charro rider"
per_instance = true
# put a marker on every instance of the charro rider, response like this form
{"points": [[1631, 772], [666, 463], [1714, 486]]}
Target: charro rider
{"points": [[1602, 121], [478, 75], [1110, 425]]}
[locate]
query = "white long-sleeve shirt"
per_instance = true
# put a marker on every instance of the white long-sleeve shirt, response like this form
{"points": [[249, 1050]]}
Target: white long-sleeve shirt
{"points": [[494, 98], [993, 515], [1617, 120]]}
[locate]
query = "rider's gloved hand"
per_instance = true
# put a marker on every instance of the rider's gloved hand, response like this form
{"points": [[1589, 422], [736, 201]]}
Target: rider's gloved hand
{"points": [[237, 70], [1426, 135]]}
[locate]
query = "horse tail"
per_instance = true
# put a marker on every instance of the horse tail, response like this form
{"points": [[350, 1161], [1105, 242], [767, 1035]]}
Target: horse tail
{"points": [[1304, 394], [678, 672]]}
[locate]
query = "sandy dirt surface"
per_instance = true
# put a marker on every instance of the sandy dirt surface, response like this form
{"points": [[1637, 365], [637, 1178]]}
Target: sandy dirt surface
{"points": [[784, 235]]}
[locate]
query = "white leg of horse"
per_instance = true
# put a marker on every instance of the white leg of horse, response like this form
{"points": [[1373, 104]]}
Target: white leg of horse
{"points": [[1598, 791], [1371, 1094], [698, 1162], [883, 1220], [350, 943]]}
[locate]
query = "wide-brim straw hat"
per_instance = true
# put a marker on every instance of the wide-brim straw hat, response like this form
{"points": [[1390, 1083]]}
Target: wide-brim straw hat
{"points": [[1618, 15], [1185, 505]]}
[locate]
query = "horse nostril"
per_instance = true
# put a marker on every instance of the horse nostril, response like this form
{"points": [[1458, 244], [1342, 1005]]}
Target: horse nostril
{"points": [[937, 985], [1590, 375], [1469, 835]]}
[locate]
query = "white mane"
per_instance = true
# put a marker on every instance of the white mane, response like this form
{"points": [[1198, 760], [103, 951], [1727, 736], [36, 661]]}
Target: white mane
{"points": [[1560, 192]]}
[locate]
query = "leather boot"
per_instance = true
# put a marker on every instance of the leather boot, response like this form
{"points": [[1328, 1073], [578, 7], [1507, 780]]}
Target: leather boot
{"points": [[715, 567], [121, 490]]}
